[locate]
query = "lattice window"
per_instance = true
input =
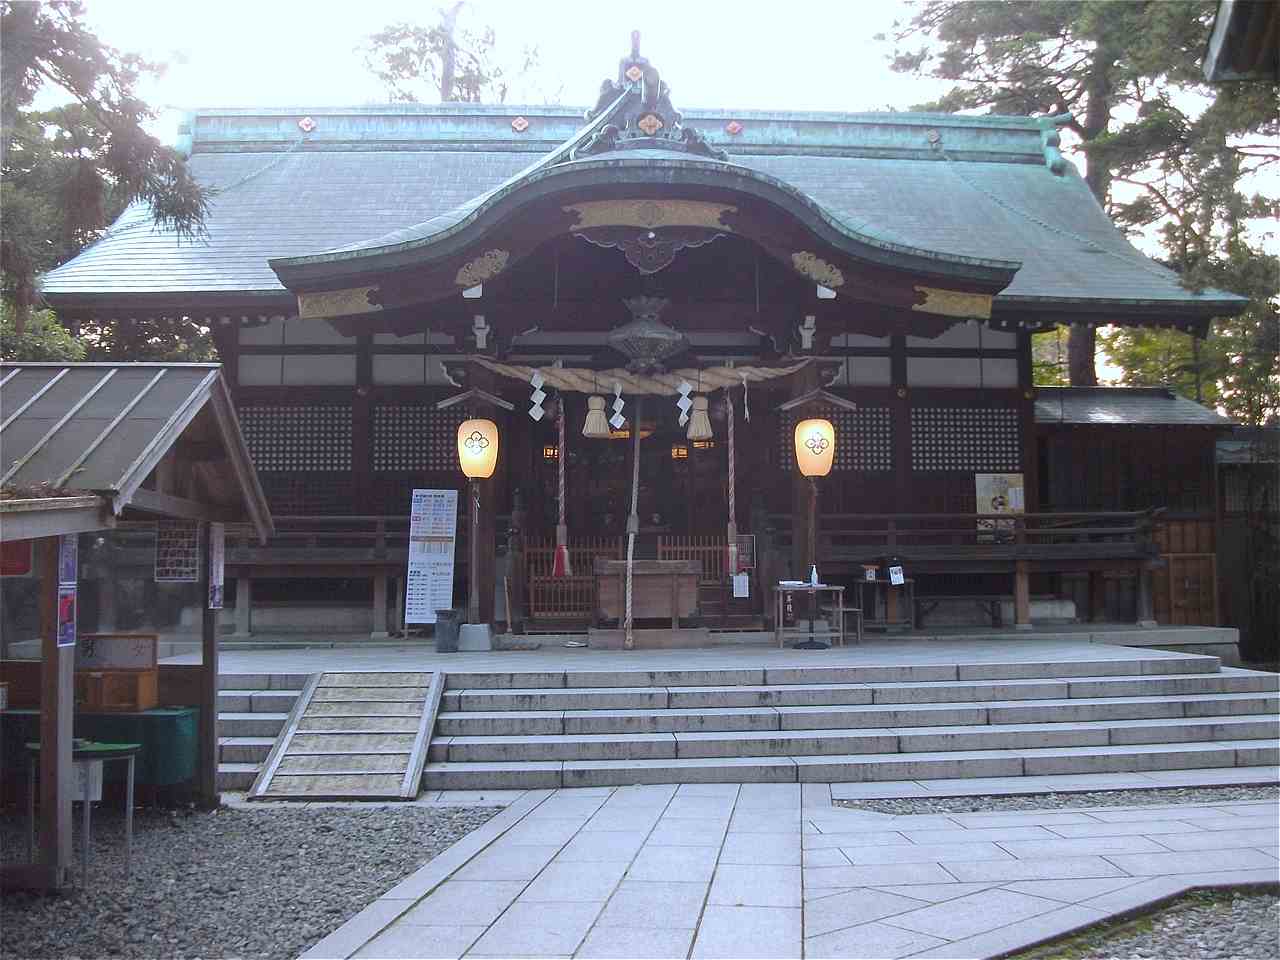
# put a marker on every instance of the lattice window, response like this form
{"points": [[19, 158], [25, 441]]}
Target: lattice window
{"points": [[980, 439], [312, 494], [415, 437], [298, 438], [864, 438]]}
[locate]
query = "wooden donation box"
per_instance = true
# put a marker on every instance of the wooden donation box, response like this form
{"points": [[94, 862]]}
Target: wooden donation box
{"points": [[117, 671], [666, 589]]}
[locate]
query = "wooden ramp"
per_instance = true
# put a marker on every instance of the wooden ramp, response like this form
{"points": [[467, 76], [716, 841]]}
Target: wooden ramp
{"points": [[353, 736]]}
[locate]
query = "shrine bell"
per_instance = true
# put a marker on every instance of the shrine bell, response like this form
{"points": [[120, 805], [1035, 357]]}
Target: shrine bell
{"points": [[815, 447]]}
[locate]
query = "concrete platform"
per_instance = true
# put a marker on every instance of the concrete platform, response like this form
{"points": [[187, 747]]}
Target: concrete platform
{"points": [[1082, 642]]}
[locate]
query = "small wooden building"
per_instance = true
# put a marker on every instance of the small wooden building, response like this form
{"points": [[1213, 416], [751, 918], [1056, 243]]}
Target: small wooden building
{"points": [[884, 270], [87, 447]]}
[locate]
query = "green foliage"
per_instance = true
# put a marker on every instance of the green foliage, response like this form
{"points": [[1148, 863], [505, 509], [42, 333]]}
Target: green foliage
{"points": [[445, 61], [171, 339], [1049, 358], [68, 172], [42, 339]]}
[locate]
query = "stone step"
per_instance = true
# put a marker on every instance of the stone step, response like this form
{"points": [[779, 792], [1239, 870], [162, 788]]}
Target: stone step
{"points": [[244, 749], [850, 767], [257, 701], [236, 724], [262, 681], [1131, 666], [783, 743], [855, 716], [236, 776], [828, 693]]}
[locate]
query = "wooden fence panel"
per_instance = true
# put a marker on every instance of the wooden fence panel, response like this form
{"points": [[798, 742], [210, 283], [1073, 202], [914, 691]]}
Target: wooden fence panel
{"points": [[710, 551]]}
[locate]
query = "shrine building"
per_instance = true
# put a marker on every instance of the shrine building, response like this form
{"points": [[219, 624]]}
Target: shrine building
{"points": [[374, 275]]}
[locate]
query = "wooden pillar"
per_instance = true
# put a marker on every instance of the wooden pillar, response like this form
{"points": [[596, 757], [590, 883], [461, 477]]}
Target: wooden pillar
{"points": [[379, 607], [57, 706], [1021, 596], [1097, 596], [1146, 609], [207, 773], [244, 606]]}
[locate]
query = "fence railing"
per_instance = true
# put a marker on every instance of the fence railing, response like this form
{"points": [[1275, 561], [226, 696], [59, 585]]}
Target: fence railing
{"points": [[858, 537], [565, 598], [709, 551]]}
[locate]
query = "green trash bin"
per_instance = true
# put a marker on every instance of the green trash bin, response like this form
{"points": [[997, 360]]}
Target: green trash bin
{"points": [[447, 623]]}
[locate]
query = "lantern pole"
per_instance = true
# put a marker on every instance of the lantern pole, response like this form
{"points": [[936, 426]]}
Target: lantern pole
{"points": [[473, 600]]}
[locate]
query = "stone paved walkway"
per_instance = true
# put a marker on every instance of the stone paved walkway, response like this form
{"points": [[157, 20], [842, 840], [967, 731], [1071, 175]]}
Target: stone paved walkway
{"points": [[766, 870]]}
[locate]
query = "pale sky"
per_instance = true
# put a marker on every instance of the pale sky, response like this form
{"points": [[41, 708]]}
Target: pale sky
{"points": [[802, 54]]}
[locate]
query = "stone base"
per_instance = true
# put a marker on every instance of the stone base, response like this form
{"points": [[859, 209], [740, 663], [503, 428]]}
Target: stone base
{"points": [[474, 636], [659, 639]]}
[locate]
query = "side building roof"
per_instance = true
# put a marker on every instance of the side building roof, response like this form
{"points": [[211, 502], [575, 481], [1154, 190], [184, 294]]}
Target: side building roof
{"points": [[1122, 407]]}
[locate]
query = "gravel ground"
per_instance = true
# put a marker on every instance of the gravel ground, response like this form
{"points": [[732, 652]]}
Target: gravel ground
{"points": [[232, 883], [1205, 925], [1051, 801]]}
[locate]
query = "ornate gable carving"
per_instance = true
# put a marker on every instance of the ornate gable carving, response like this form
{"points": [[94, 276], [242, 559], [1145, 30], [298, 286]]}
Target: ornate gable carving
{"points": [[646, 119]]}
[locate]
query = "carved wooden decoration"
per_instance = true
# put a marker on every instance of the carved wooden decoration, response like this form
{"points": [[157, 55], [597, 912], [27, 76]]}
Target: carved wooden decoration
{"points": [[488, 264], [817, 269], [649, 250], [336, 303], [650, 213], [953, 303]]}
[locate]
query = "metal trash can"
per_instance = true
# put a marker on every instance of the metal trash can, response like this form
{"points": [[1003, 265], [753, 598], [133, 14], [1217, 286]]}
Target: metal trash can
{"points": [[447, 623]]}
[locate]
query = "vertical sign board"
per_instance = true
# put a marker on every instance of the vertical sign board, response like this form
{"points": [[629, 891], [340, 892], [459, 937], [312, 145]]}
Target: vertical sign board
{"points": [[68, 574], [217, 564], [433, 531]]}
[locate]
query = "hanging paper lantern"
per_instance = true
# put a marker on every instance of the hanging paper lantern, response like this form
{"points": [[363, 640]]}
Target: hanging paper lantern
{"points": [[478, 448], [596, 426], [699, 422], [815, 447]]}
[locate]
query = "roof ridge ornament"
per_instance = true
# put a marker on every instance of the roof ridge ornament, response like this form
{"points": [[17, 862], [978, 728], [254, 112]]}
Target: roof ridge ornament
{"points": [[645, 118]]}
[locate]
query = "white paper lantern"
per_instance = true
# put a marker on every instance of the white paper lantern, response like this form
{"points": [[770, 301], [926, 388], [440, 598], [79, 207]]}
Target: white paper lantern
{"points": [[478, 448], [815, 447]]}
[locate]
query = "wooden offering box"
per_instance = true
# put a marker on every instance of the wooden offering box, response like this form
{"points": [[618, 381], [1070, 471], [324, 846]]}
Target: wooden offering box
{"points": [[661, 588], [117, 671]]}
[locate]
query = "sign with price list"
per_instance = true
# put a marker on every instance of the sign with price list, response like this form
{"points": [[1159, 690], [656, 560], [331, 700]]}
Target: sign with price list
{"points": [[433, 530]]}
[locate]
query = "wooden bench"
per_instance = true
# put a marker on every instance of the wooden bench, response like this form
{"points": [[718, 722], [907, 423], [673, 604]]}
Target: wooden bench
{"points": [[990, 604]]}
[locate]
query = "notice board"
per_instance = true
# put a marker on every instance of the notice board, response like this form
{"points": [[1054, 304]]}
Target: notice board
{"points": [[433, 531]]}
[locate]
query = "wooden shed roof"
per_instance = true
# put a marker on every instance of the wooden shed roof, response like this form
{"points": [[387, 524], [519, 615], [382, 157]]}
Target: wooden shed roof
{"points": [[100, 429]]}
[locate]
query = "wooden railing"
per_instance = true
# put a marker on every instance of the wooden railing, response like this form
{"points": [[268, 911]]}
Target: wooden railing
{"points": [[709, 551], [854, 537], [335, 540], [565, 598]]}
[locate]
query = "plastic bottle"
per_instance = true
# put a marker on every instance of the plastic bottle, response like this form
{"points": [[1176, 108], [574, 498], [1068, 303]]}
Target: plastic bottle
{"points": [[813, 575]]}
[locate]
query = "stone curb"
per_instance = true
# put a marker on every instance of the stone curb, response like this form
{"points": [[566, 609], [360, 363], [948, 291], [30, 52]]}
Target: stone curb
{"points": [[373, 919]]}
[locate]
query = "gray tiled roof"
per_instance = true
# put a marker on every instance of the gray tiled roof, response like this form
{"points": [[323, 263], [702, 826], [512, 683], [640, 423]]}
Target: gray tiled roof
{"points": [[103, 427], [995, 198], [1122, 406]]}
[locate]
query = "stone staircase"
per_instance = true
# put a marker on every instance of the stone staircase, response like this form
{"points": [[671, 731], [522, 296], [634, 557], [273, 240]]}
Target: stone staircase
{"points": [[252, 710], [1142, 712]]}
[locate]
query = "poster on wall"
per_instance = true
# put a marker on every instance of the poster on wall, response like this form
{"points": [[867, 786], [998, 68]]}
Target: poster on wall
{"points": [[998, 493], [217, 564], [433, 530], [68, 575]]}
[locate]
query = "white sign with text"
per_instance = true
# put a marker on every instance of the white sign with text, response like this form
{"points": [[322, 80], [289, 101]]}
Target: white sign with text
{"points": [[433, 530]]}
